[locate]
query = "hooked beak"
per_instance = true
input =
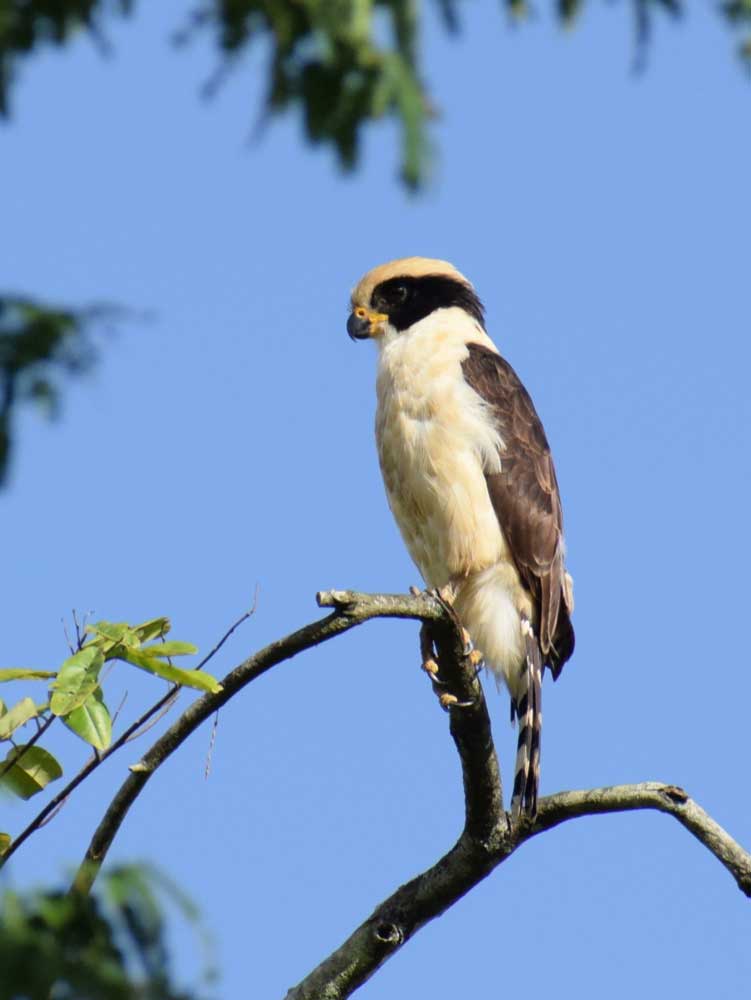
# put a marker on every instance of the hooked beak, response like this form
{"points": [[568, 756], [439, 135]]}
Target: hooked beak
{"points": [[363, 324]]}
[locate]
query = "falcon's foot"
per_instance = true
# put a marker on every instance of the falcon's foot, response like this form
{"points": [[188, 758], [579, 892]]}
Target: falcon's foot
{"points": [[430, 666], [445, 594], [427, 653], [474, 655]]}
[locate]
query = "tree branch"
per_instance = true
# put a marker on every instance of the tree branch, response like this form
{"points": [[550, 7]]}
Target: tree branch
{"points": [[400, 916], [489, 836], [351, 609], [670, 799]]}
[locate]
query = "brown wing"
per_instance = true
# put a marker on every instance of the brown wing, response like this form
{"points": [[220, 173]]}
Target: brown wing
{"points": [[526, 499]]}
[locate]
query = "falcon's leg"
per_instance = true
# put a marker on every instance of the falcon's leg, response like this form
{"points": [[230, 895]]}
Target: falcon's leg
{"points": [[446, 596], [528, 710]]}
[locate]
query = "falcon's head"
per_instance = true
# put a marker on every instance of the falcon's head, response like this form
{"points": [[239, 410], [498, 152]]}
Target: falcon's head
{"points": [[392, 297]]}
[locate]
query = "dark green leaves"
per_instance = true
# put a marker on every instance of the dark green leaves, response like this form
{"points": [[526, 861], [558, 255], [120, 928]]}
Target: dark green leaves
{"points": [[38, 343], [738, 13], [110, 946], [344, 63], [26, 26]]}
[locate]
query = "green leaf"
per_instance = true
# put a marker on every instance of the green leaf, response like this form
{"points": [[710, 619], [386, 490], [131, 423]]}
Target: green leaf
{"points": [[91, 721], [4, 843], [187, 678], [115, 631], [33, 772], [76, 680], [16, 716], [171, 648], [110, 635], [25, 674], [152, 629]]}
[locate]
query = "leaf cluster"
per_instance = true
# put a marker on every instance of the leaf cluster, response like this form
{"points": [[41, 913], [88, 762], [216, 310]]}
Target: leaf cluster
{"points": [[108, 946], [343, 62], [738, 13], [24, 26], [77, 699]]}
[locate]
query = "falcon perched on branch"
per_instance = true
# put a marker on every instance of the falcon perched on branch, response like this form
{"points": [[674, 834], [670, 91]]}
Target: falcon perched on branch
{"points": [[470, 480]]}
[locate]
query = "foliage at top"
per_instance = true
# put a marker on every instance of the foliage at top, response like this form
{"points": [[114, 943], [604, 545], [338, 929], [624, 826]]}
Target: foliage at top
{"points": [[344, 63]]}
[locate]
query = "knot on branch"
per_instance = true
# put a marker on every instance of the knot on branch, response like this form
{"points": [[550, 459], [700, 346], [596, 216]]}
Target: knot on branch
{"points": [[676, 795], [388, 933]]}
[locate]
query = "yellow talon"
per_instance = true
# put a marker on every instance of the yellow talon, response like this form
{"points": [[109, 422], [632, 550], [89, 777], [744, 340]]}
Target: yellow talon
{"points": [[447, 699], [430, 667]]}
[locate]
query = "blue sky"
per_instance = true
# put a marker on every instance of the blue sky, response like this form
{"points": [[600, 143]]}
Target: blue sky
{"points": [[227, 443]]}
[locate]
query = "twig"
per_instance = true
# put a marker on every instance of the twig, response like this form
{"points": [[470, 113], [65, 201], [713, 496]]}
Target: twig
{"points": [[70, 645], [50, 816], [244, 617], [119, 709], [154, 715], [78, 628], [210, 751]]}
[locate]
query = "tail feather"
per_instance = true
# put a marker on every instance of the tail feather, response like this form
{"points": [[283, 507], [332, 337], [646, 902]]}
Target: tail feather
{"points": [[528, 709]]}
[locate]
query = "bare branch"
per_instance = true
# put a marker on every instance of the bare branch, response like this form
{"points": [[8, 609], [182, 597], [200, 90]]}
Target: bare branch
{"points": [[394, 922], [670, 799], [243, 618], [489, 836]]}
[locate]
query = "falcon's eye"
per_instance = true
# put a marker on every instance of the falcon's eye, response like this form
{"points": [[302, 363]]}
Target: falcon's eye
{"points": [[399, 294]]}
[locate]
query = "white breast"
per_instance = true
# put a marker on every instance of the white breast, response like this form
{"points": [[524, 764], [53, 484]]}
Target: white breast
{"points": [[436, 437]]}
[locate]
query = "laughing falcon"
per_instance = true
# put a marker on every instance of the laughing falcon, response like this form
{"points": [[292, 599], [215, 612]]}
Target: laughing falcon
{"points": [[470, 480]]}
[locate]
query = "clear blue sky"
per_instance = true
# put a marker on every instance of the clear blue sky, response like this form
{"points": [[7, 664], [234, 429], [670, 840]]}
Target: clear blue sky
{"points": [[604, 218]]}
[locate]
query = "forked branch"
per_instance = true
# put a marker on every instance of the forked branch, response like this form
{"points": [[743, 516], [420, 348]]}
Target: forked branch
{"points": [[489, 836]]}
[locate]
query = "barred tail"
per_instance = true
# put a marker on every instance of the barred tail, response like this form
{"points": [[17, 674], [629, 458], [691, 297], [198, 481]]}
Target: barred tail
{"points": [[528, 709]]}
